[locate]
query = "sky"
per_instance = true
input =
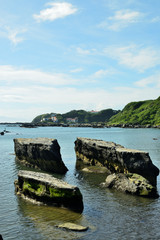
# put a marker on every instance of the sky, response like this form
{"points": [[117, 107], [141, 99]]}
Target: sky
{"points": [[58, 56]]}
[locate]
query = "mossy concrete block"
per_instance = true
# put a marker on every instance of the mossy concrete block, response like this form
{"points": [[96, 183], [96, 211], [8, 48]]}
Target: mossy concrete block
{"points": [[46, 189], [40, 153], [116, 158], [132, 184]]}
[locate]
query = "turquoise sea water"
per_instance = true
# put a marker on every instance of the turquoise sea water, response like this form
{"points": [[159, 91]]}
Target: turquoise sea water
{"points": [[109, 214]]}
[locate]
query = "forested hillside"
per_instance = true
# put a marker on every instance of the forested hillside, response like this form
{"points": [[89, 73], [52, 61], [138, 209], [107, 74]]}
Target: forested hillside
{"points": [[81, 115], [142, 113]]}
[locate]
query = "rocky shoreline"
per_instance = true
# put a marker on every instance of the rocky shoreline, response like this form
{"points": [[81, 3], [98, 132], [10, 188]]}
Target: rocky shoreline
{"points": [[128, 125], [95, 125], [91, 125]]}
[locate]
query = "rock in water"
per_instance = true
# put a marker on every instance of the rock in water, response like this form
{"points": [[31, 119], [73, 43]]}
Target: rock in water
{"points": [[131, 183], [115, 157], [73, 227], [46, 189], [40, 153]]}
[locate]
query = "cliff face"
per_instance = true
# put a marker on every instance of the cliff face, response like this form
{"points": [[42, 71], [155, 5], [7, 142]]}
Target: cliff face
{"points": [[40, 153], [116, 158]]}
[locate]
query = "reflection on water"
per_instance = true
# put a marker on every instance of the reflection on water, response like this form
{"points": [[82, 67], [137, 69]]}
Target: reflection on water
{"points": [[109, 214], [46, 218]]}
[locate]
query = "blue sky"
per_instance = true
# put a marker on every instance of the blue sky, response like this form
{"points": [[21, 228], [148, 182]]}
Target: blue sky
{"points": [[56, 56]]}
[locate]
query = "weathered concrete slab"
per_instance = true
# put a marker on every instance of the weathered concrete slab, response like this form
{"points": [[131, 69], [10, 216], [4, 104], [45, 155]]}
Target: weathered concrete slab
{"points": [[40, 153], [116, 158], [44, 188]]}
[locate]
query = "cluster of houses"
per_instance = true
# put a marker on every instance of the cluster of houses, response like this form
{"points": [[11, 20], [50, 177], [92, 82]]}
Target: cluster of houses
{"points": [[54, 119], [72, 120], [93, 111]]}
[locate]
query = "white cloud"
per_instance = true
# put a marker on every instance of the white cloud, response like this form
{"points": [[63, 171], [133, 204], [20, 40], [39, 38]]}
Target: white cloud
{"points": [[13, 36], [156, 19], [103, 73], [116, 4], [14, 75], [76, 70], [121, 19], [55, 11], [25, 94], [150, 81], [125, 15], [135, 57], [83, 51], [38, 100], [128, 94]]}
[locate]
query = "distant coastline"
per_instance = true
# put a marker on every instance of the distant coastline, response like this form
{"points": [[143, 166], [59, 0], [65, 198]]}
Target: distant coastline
{"points": [[142, 114], [139, 114], [31, 125]]}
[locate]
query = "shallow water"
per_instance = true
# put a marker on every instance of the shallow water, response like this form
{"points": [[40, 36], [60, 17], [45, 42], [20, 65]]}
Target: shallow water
{"points": [[109, 214]]}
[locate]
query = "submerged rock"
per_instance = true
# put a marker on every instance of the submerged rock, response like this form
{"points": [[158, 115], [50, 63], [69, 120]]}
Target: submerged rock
{"points": [[96, 169], [40, 153], [114, 157], [46, 189], [73, 227], [131, 183]]}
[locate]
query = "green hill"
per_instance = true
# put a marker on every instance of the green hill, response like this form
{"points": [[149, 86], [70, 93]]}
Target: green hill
{"points": [[142, 113], [134, 113], [81, 115]]}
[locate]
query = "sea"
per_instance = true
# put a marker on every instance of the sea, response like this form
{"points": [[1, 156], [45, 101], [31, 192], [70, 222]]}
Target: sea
{"points": [[110, 215]]}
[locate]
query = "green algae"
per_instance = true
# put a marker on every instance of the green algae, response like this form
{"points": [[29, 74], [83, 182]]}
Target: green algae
{"points": [[56, 192], [41, 190], [144, 192], [34, 187], [145, 188], [63, 193], [110, 165]]}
